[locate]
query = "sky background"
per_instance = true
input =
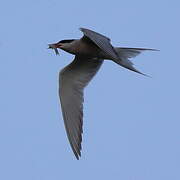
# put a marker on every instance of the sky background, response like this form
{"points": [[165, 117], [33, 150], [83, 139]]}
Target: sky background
{"points": [[131, 122]]}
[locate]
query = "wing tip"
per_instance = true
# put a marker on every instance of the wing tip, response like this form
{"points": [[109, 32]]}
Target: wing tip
{"points": [[76, 151], [78, 156]]}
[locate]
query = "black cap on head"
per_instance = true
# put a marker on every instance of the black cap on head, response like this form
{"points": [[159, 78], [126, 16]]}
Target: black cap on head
{"points": [[66, 41]]}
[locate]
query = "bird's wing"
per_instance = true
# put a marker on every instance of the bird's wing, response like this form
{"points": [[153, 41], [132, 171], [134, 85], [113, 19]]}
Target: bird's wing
{"points": [[72, 81], [101, 41]]}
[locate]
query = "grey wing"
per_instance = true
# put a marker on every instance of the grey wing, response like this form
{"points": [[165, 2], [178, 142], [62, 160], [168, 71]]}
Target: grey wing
{"points": [[72, 81], [101, 41]]}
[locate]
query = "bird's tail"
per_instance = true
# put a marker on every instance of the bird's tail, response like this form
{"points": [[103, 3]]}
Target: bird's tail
{"points": [[126, 53]]}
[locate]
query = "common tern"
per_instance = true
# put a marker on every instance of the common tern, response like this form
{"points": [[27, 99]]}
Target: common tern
{"points": [[90, 52]]}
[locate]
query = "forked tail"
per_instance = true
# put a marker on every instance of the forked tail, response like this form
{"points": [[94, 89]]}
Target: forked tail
{"points": [[126, 53]]}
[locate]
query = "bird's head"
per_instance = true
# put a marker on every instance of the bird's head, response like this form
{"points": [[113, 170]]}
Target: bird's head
{"points": [[63, 44]]}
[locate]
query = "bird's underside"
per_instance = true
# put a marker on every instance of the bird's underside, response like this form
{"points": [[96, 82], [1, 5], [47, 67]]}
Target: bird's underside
{"points": [[75, 77]]}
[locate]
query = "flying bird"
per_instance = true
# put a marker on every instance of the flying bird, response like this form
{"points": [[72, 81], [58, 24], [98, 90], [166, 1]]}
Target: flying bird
{"points": [[90, 52]]}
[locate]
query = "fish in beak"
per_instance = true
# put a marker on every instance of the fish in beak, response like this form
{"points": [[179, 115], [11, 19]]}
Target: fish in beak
{"points": [[53, 46]]}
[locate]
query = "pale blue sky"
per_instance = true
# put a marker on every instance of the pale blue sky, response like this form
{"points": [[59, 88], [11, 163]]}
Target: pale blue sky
{"points": [[131, 122]]}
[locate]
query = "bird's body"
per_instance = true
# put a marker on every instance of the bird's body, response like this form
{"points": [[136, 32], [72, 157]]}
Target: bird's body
{"points": [[90, 52], [86, 48]]}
